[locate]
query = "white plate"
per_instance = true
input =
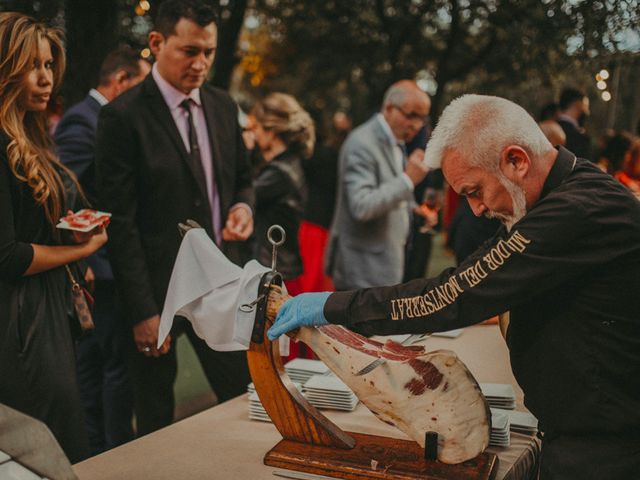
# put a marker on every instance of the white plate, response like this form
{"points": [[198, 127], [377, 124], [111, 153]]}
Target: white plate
{"points": [[328, 384], [306, 365], [498, 390], [332, 402], [520, 421]]}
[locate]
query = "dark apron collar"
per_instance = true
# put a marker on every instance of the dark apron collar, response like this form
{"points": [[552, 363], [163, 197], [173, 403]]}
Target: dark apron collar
{"points": [[564, 164]]}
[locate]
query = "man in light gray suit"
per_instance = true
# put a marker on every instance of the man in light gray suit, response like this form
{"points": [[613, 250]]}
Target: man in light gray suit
{"points": [[375, 192]]}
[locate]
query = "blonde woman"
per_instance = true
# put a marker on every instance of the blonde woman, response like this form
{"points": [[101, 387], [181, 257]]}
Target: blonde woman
{"points": [[37, 367], [285, 134]]}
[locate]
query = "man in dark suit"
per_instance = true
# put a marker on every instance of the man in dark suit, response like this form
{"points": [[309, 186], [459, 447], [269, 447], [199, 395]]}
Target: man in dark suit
{"points": [[574, 110], [168, 150], [102, 374]]}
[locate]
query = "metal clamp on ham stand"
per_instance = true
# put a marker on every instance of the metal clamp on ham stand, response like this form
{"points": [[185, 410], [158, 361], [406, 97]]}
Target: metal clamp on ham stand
{"points": [[267, 280], [311, 442]]}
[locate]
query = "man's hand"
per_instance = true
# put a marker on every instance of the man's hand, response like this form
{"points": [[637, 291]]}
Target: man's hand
{"points": [[239, 225], [145, 334], [304, 310], [416, 170], [430, 215]]}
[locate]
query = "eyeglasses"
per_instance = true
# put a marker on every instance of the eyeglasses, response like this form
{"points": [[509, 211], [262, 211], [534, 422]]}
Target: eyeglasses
{"points": [[411, 115]]}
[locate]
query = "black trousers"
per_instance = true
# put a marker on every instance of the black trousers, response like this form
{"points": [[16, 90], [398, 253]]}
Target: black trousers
{"points": [[153, 378], [103, 376], [418, 251], [590, 458]]}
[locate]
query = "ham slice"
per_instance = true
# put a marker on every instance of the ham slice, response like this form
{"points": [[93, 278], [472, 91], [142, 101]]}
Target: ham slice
{"points": [[414, 390]]}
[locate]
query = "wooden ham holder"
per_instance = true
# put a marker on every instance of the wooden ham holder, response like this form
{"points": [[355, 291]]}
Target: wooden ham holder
{"points": [[312, 443]]}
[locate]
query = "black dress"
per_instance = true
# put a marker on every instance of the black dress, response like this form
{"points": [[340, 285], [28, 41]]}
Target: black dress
{"points": [[37, 357], [280, 198]]}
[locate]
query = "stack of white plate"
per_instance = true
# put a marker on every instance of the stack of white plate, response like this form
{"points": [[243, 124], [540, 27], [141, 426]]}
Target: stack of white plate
{"points": [[328, 391], [500, 435], [521, 422], [256, 410], [302, 369], [499, 395]]}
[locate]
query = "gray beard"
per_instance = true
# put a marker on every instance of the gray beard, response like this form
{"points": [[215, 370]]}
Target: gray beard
{"points": [[519, 203]]}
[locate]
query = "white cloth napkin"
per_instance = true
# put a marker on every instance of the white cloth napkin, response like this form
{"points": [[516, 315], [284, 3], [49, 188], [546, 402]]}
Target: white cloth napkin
{"points": [[208, 290]]}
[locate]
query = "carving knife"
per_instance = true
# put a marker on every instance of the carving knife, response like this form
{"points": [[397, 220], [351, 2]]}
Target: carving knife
{"points": [[410, 340], [300, 475]]}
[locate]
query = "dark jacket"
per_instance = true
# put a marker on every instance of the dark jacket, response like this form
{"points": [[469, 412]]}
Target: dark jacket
{"points": [[578, 142], [568, 274], [280, 196], [37, 355], [146, 179], [321, 173], [75, 139], [468, 232]]}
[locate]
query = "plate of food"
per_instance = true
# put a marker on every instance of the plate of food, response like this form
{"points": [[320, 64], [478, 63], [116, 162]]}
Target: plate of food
{"points": [[84, 220]]}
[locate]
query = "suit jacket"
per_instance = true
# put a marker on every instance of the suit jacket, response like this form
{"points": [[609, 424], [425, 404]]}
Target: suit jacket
{"points": [[146, 180], [371, 221], [578, 142], [75, 139]]}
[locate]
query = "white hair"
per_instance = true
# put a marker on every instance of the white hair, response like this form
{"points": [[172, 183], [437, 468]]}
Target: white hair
{"points": [[479, 127], [396, 94]]}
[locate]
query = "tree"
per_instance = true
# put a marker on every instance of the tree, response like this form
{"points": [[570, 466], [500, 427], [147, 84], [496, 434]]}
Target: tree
{"points": [[332, 53], [232, 18], [92, 32], [93, 29], [45, 10]]}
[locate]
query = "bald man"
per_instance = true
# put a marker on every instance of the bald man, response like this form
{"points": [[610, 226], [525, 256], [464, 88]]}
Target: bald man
{"points": [[375, 192]]}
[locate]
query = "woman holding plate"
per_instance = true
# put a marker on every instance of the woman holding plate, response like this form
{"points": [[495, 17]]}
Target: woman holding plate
{"points": [[37, 360]]}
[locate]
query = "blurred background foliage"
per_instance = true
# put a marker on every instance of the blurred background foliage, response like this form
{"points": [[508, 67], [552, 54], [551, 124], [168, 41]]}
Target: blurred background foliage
{"points": [[342, 55]]}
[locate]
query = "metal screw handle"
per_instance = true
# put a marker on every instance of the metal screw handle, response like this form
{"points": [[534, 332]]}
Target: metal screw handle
{"points": [[249, 307], [275, 243]]}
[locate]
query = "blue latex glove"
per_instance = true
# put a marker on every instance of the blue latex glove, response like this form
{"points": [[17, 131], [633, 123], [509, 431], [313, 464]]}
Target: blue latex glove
{"points": [[304, 310]]}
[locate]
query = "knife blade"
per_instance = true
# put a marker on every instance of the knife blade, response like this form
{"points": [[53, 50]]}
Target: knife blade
{"points": [[301, 475], [410, 340]]}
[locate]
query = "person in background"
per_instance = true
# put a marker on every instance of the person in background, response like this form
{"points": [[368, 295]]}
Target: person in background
{"points": [[321, 171], [614, 152], [102, 372], [376, 180], [548, 122], [467, 232], [37, 357], [428, 196], [629, 175], [564, 265], [168, 150], [574, 111], [285, 135]]}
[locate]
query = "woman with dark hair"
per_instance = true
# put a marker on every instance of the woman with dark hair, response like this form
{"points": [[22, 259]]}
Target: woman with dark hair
{"points": [[285, 134], [37, 360]]}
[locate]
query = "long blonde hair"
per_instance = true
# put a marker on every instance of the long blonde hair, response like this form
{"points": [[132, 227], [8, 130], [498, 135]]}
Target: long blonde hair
{"points": [[283, 114], [30, 151]]}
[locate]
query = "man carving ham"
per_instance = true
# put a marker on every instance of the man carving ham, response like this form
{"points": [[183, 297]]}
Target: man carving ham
{"points": [[565, 265]]}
